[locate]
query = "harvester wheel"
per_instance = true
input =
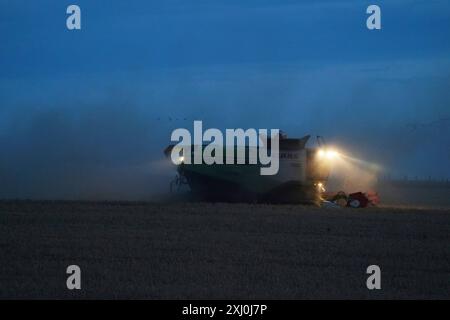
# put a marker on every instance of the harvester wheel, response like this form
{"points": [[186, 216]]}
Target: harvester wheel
{"points": [[176, 183]]}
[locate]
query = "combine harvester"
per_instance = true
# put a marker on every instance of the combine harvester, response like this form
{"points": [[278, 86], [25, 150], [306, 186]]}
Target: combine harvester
{"points": [[302, 175]]}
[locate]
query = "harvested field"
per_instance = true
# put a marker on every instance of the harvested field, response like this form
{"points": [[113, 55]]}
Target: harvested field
{"points": [[221, 251]]}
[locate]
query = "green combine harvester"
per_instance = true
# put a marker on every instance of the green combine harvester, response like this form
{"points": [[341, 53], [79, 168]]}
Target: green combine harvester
{"points": [[302, 175]]}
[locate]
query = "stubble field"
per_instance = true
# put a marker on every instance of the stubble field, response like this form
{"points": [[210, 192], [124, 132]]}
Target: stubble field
{"points": [[221, 251]]}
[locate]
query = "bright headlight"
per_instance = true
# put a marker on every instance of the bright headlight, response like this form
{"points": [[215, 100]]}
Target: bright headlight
{"points": [[331, 154], [327, 154], [320, 187], [321, 153]]}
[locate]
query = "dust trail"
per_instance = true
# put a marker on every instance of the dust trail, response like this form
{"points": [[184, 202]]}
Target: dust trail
{"points": [[351, 174], [109, 151]]}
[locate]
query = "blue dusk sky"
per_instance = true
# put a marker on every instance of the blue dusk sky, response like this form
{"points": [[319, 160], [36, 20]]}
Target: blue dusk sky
{"points": [[83, 112]]}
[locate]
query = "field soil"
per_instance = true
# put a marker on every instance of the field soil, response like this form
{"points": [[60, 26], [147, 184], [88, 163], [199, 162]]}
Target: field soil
{"points": [[221, 251]]}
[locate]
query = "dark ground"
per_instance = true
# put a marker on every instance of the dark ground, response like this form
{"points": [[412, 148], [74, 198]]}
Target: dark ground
{"points": [[221, 251]]}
